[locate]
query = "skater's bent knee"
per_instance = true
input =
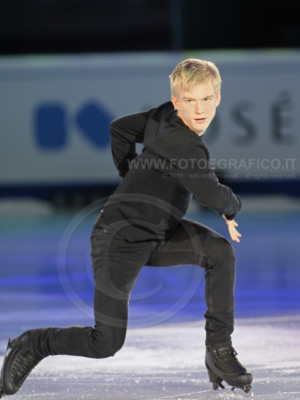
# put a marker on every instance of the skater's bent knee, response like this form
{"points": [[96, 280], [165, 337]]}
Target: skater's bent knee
{"points": [[108, 346], [108, 350], [115, 345], [221, 251], [224, 247]]}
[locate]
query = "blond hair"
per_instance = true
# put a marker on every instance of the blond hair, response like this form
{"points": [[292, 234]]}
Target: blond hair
{"points": [[192, 71]]}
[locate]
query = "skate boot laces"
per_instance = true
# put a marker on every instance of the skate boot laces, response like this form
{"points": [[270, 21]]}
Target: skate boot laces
{"points": [[19, 361], [227, 360], [24, 363]]}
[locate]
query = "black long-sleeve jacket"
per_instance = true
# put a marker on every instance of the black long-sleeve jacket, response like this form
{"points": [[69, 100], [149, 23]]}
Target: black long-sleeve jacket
{"points": [[158, 184]]}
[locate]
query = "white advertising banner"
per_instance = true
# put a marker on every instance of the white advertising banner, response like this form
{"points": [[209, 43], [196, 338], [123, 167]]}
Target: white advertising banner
{"points": [[55, 112]]}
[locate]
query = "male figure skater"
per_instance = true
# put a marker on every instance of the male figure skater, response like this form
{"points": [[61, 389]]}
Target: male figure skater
{"points": [[142, 224]]}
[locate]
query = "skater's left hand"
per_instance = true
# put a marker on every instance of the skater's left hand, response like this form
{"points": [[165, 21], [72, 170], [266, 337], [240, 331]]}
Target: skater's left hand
{"points": [[231, 228]]}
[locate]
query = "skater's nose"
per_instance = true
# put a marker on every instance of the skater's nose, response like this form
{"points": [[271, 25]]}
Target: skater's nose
{"points": [[199, 107]]}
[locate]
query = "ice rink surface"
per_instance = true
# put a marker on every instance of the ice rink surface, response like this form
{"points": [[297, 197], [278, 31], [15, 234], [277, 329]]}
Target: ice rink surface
{"points": [[167, 362], [163, 356]]}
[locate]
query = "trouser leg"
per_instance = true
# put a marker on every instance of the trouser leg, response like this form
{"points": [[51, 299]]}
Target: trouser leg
{"points": [[194, 243], [116, 265], [219, 296]]}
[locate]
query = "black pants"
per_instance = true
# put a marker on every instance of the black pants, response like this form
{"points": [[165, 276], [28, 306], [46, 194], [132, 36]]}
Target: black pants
{"points": [[117, 264]]}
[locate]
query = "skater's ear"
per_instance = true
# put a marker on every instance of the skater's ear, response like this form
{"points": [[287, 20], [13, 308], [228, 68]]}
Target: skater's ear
{"points": [[175, 102]]}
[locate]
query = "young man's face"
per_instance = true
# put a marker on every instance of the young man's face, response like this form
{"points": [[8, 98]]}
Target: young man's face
{"points": [[197, 106]]}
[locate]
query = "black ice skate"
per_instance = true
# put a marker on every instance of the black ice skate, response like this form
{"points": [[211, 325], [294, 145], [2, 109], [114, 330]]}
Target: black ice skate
{"points": [[222, 364], [19, 361]]}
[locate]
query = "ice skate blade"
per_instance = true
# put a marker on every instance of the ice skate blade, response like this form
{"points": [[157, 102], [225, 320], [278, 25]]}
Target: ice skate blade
{"points": [[242, 392], [227, 392]]}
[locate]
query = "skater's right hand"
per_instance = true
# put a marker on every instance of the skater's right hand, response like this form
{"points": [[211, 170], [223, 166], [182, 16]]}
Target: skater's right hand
{"points": [[232, 231]]}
